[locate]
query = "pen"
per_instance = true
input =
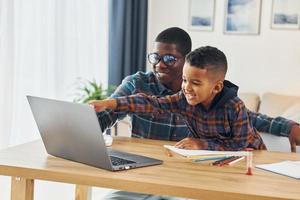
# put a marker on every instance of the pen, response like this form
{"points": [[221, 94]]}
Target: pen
{"points": [[236, 160]]}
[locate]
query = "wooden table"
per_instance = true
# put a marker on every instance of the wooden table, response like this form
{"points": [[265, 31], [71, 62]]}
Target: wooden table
{"points": [[177, 176]]}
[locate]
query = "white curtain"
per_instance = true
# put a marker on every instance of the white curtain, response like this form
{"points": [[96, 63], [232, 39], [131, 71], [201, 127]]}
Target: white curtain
{"points": [[44, 47]]}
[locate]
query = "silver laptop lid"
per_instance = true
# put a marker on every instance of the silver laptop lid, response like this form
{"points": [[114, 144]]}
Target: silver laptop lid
{"points": [[70, 130]]}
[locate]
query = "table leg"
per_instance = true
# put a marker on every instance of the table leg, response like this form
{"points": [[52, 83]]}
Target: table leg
{"points": [[83, 192], [22, 188]]}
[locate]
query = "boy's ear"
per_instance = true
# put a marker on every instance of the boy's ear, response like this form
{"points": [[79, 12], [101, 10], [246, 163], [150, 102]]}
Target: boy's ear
{"points": [[218, 87]]}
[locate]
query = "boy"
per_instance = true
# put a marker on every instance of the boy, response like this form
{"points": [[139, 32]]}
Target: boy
{"points": [[209, 104], [165, 78]]}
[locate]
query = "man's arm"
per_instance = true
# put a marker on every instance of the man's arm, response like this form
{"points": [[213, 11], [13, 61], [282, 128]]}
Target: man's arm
{"points": [[278, 126]]}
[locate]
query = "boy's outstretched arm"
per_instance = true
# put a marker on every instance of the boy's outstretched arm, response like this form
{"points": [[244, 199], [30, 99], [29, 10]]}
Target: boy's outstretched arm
{"points": [[141, 103], [101, 105]]}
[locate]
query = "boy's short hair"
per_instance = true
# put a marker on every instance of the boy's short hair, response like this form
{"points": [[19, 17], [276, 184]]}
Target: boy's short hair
{"points": [[176, 36], [209, 58]]}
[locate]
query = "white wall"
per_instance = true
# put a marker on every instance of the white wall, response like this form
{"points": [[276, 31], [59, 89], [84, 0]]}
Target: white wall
{"points": [[44, 46], [269, 61]]}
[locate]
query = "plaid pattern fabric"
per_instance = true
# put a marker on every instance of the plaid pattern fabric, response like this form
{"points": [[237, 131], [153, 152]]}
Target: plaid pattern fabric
{"points": [[169, 126], [227, 127], [277, 126]]}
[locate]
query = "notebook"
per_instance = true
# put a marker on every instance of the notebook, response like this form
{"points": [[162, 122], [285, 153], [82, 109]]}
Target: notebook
{"points": [[287, 168], [201, 153], [72, 131]]}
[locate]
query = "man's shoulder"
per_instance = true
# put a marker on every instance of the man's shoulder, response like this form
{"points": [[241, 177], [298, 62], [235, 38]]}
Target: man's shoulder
{"points": [[143, 82], [141, 76]]}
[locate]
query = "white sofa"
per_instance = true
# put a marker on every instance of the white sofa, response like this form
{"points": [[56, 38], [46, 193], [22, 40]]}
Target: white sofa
{"points": [[269, 103], [274, 105]]}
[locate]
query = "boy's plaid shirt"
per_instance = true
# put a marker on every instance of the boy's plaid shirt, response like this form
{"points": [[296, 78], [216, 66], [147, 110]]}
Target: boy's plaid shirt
{"points": [[169, 126], [226, 127]]}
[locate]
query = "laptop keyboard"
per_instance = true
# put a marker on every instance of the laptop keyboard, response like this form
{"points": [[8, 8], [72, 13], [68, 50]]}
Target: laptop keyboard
{"points": [[120, 161]]}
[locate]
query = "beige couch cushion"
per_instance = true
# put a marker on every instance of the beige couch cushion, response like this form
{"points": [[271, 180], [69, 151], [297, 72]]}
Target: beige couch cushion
{"points": [[293, 113], [251, 100], [276, 104]]}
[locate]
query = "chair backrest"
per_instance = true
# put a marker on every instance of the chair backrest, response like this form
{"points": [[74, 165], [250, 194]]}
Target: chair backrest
{"points": [[251, 100], [276, 104]]}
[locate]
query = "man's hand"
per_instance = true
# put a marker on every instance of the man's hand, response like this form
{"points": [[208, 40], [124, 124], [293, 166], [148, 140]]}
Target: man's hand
{"points": [[294, 137], [190, 143], [101, 105]]}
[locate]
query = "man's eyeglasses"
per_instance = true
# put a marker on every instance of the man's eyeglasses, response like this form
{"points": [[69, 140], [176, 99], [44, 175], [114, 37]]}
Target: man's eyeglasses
{"points": [[168, 60]]}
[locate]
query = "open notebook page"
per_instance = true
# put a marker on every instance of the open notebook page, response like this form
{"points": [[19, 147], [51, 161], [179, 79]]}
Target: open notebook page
{"points": [[287, 168]]}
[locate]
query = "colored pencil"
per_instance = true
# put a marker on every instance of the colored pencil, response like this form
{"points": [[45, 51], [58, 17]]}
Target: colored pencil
{"points": [[236, 160], [210, 158]]}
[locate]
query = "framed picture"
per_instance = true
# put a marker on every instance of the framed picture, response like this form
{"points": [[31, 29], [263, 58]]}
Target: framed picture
{"points": [[242, 16], [201, 15], [285, 14]]}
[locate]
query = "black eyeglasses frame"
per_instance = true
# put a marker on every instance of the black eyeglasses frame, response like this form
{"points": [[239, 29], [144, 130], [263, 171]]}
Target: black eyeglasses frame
{"points": [[162, 59]]}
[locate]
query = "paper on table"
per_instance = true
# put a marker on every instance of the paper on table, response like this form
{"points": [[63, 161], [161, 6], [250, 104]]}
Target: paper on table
{"points": [[287, 168], [193, 153]]}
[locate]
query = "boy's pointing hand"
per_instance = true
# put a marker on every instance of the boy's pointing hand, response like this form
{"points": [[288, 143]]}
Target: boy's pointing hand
{"points": [[101, 105]]}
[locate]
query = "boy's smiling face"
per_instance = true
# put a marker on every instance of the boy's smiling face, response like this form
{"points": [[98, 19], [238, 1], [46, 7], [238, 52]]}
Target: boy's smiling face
{"points": [[199, 85]]}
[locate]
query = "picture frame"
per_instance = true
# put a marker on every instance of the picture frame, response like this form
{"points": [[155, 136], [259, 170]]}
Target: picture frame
{"points": [[285, 14], [242, 17], [201, 15]]}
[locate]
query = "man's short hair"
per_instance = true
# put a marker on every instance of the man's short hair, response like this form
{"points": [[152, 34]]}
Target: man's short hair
{"points": [[178, 37], [209, 58]]}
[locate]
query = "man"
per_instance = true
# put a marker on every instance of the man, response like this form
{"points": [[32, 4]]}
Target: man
{"points": [[171, 47]]}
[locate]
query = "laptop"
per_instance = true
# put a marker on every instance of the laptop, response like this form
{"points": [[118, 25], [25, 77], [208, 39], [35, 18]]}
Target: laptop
{"points": [[72, 131]]}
